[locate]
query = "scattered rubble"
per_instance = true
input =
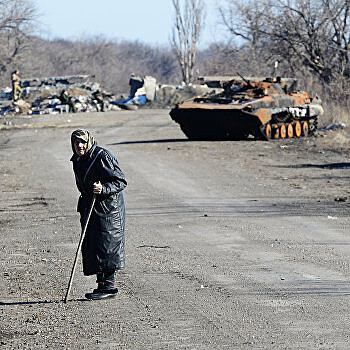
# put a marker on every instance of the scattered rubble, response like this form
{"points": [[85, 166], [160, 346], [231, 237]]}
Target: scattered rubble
{"points": [[335, 126], [53, 95], [80, 93]]}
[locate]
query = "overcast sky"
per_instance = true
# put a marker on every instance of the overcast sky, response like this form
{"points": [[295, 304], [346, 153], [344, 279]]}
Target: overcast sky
{"points": [[148, 21]]}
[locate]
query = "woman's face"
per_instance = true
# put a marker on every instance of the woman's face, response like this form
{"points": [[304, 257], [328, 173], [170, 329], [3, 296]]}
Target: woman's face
{"points": [[80, 147]]}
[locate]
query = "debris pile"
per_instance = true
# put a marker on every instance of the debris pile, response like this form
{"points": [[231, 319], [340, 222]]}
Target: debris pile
{"points": [[80, 93], [53, 95], [146, 93], [167, 96], [335, 126], [142, 90]]}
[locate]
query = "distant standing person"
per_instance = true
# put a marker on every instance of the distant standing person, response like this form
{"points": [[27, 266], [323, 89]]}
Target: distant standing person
{"points": [[67, 100], [98, 100], [97, 172], [135, 83], [16, 85]]}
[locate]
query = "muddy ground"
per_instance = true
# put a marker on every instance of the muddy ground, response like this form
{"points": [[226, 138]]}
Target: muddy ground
{"points": [[230, 245]]}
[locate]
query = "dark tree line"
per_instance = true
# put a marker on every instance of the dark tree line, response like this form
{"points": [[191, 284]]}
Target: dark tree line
{"points": [[310, 39], [110, 62]]}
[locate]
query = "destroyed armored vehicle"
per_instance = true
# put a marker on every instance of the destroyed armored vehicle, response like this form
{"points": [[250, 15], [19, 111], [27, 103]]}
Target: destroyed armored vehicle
{"points": [[264, 108]]}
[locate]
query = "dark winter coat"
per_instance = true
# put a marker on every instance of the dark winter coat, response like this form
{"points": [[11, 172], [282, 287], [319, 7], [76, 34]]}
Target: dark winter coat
{"points": [[103, 245]]}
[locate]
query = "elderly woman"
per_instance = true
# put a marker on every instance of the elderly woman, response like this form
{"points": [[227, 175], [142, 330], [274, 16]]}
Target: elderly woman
{"points": [[97, 173]]}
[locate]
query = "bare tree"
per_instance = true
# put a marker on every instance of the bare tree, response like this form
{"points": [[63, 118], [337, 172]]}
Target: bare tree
{"points": [[308, 33], [17, 18], [247, 22], [186, 33]]}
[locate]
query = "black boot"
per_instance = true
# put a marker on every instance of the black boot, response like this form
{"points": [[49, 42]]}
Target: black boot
{"points": [[100, 283], [106, 287]]}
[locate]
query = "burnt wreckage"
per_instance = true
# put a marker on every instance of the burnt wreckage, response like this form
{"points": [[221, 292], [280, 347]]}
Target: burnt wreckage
{"points": [[262, 107]]}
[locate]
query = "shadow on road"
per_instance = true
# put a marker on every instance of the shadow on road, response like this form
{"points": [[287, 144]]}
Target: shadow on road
{"points": [[269, 207], [320, 166], [27, 302], [177, 140], [328, 288], [149, 141], [5, 303]]}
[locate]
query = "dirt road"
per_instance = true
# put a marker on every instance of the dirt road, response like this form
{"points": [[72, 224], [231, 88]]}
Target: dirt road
{"points": [[230, 245]]}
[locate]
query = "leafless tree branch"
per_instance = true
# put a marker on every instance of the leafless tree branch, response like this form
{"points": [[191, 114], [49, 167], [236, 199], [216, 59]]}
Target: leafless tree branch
{"points": [[186, 34]]}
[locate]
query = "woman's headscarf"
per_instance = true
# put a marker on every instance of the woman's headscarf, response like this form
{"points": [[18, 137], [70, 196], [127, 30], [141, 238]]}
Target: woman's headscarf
{"points": [[83, 135]]}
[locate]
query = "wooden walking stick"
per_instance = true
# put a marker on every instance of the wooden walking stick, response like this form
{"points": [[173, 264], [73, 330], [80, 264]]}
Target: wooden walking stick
{"points": [[78, 249]]}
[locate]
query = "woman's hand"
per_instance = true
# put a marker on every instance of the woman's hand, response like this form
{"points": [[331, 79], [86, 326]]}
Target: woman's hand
{"points": [[97, 187]]}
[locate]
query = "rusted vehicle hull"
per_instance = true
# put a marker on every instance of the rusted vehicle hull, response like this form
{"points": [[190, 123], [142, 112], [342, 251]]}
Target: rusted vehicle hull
{"points": [[214, 124], [261, 109]]}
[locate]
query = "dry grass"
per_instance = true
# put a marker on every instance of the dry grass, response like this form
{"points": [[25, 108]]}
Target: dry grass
{"points": [[338, 140], [334, 113]]}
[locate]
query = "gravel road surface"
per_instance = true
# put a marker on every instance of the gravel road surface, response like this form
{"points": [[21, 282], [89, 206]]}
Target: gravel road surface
{"points": [[230, 245]]}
